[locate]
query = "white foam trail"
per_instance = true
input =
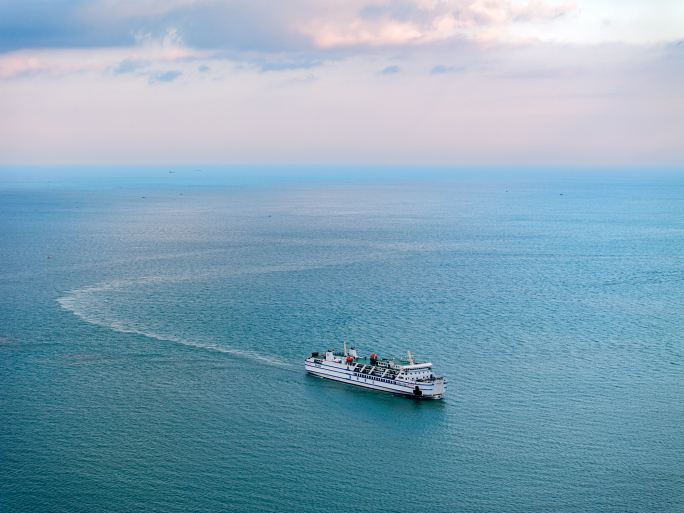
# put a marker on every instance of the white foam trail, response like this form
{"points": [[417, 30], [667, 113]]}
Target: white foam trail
{"points": [[77, 301]]}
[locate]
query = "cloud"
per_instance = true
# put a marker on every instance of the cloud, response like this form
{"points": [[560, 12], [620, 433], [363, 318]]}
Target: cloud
{"points": [[129, 65], [30, 63], [112, 61], [441, 68], [329, 27], [307, 79], [506, 109], [257, 25], [535, 102], [17, 66], [58, 24], [167, 76], [281, 65], [418, 22], [241, 25]]}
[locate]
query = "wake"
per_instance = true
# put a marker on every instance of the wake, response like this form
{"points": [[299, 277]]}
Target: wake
{"points": [[86, 304]]}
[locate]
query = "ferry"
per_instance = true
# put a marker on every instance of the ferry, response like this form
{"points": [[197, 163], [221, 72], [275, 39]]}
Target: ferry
{"points": [[400, 377]]}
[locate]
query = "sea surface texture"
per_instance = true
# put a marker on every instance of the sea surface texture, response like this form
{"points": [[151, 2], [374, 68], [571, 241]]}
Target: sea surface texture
{"points": [[155, 362]]}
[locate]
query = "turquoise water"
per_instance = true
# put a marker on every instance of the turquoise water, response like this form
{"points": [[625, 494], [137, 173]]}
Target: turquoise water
{"points": [[155, 361]]}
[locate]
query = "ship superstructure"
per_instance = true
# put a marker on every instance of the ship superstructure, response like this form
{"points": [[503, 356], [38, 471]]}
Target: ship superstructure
{"points": [[397, 376]]}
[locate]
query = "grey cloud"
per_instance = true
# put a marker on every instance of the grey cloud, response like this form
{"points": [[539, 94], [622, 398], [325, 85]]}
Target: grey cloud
{"points": [[226, 27], [128, 65], [440, 68], [289, 65], [58, 24], [258, 25], [307, 79], [243, 26], [403, 10], [167, 76]]}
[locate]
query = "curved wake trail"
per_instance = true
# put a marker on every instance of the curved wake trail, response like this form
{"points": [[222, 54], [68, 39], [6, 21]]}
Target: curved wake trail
{"points": [[80, 301]]}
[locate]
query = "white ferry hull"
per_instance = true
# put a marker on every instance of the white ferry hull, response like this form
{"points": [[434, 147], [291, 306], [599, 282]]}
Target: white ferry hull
{"points": [[347, 374]]}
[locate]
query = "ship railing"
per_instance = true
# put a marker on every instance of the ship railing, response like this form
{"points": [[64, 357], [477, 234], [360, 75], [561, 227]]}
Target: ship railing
{"points": [[430, 380], [375, 371], [379, 373]]}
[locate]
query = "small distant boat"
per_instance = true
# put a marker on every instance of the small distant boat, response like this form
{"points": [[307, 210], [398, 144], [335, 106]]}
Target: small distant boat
{"points": [[396, 376], [48, 256]]}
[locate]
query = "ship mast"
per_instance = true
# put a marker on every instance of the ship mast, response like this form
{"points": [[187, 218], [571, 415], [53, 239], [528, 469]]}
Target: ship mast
{"points": [[410, 358], [345, 349]]}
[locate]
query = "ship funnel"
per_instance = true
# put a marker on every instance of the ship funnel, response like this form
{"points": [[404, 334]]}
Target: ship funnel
{"points": [[352, 353]]}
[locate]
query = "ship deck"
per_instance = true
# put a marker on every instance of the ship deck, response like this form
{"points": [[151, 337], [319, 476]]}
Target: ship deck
{"points": [[365, 360]]}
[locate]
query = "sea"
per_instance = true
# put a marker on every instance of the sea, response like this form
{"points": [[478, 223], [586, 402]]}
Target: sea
{"points": [[154, 322]]}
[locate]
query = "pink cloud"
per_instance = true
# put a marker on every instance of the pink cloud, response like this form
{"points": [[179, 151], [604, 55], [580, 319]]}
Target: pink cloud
{"points": [[423, 21], [57, 63], [13, 66], [53, 64]]}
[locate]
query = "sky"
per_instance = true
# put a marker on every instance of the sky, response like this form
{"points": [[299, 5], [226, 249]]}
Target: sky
{"points": [[435, 82]]}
